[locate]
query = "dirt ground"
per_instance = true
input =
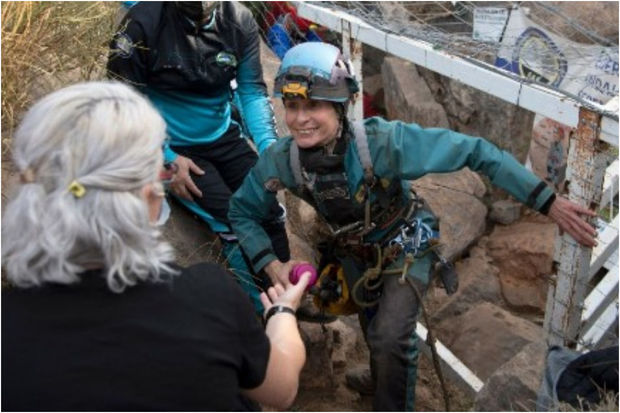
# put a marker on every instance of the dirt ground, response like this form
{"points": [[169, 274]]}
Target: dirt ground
{"points": [[315, 394], [429, 396]]}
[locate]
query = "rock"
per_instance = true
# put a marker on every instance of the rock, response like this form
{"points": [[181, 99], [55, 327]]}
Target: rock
{"points": [[327, 353], [191, 237], [271, 64], [514, 386], [464, 181], [523, 253], [454, 199], [505, 212], [478, 282], [373, 84], [303, 220], [318, 370], [301, 250], [476, 113], [372, 59], [407, 97], [486, 336]]}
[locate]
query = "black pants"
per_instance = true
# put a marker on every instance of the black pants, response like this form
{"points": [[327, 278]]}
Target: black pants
{"points": [[225, 163]]}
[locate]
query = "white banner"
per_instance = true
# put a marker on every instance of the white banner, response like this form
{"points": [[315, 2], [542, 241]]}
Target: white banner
{"points": [[489, 23], [588, 71]]}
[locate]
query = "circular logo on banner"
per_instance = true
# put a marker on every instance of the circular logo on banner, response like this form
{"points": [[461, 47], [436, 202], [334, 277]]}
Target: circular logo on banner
{"points": [[538, 58]]}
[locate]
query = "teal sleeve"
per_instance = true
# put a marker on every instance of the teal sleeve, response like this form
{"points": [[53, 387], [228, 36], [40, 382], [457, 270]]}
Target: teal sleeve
{"points": [[169, 154], [256, 106], [249, 206], [412, 152]]}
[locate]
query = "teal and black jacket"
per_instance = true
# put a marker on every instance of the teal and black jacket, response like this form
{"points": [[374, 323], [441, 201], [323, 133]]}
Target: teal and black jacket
{"points": [[399, 151], [186, 71]]}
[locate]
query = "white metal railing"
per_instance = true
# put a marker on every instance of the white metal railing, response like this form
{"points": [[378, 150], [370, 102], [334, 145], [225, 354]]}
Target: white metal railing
{"points": [[595, 123], [600, 307], [482, 76]]}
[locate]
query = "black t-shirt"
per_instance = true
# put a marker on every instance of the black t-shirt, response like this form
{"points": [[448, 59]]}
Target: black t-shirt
{"points": [[188, 344]]}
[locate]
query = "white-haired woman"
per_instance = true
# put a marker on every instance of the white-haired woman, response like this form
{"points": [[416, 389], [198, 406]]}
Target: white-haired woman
{"points": [[97, 316]]}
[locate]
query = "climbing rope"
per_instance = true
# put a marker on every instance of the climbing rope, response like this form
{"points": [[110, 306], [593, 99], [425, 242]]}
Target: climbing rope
{"points": [[430, 340], [371, 280]]}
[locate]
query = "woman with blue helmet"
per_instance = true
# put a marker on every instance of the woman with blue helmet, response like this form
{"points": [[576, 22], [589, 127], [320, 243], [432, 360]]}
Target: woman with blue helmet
{"points": [[355, 176]]}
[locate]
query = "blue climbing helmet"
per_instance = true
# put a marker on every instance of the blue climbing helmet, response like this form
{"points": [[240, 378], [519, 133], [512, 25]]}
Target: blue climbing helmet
{"points": [[316, 71]]}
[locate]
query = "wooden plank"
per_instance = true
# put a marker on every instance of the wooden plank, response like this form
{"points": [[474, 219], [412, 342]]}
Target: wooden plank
{"points": [[451, 366]]}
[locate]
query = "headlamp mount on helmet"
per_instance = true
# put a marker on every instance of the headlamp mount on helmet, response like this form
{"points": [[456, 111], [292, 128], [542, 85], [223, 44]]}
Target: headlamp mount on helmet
{"points": [[296, 83], [315, 71]]}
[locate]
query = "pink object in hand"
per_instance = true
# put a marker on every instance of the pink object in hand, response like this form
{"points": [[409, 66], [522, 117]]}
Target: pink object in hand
{"points": [[298, 270]]}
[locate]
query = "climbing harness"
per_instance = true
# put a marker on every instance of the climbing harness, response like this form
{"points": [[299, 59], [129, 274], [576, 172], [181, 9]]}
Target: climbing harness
{"points": [[413, 237]]}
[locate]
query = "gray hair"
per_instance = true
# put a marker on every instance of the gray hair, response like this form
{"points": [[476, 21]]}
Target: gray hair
{"points": [[106, 137]]}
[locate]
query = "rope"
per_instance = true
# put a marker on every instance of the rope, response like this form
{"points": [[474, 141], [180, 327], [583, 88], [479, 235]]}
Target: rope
{"points": [[430, 340]]}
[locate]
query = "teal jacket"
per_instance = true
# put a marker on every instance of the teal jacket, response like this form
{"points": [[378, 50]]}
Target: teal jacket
{"points": [[399, 151]]}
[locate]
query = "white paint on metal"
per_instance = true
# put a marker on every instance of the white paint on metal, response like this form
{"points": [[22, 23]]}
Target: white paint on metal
{"points": [[610, 186], [450, 364], [601, 328], [607, 247], [600, 297]]}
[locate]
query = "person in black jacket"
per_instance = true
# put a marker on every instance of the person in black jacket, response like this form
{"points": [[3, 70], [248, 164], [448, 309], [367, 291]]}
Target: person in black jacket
{"points": [[184, 56]]}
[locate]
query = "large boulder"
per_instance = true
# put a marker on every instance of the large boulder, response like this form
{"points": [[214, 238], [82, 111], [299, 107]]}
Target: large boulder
{"points": [[476, 113], [523, 253], [303, 221], [407, 97], [301, 249], [505, 211], [330, 350], [454, 199], [514, 386], [486, 336], [478, 282]]}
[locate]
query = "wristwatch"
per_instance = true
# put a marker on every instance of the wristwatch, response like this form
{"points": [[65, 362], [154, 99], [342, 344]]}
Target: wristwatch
{"points": [[277, 309]]}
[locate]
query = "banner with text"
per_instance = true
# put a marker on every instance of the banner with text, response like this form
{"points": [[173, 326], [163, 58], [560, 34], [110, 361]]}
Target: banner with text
{"points": [[587, 71]]}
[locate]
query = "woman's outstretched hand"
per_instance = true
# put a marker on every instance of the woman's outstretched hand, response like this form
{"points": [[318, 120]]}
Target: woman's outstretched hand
{"points": [[289, 296], [568, 216]]}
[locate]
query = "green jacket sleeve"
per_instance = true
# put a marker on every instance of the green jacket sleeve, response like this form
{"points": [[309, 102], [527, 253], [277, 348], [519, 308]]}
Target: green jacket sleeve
{"points": [[409, 151], [249, 206]]}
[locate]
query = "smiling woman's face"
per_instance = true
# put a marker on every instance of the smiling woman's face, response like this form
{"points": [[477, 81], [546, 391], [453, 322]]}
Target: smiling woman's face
{"points": [[311, 122]]}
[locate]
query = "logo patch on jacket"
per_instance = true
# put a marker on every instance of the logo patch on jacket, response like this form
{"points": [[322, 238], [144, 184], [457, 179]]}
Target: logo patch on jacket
{"points": [[226, 59], [124, 45], [273, 185]]}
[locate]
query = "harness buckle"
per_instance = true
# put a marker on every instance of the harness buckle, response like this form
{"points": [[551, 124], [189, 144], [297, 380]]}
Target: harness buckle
{"points": [[414, 237]]}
